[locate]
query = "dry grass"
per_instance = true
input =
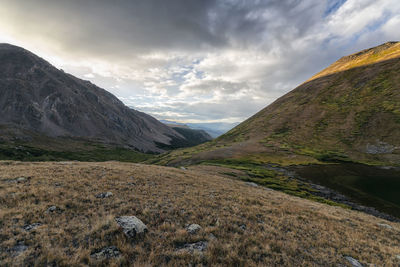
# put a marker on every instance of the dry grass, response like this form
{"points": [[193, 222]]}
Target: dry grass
{"points": [[280, 230]]}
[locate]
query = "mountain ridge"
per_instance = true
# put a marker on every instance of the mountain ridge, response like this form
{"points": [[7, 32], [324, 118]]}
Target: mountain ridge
{"points": [[37, 96], [353, 114]]}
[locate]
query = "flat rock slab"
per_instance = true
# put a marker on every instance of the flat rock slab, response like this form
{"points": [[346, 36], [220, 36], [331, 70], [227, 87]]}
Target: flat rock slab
{"points": [[104, 195], [353, 262], [18, 249], [198, 247], [106, 253], [384, 225], [131, 226], [252, 184], [33, 226]]}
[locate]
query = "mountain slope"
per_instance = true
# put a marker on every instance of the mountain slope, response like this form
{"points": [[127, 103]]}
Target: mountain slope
{"points": [[36, 96], [349, 111], [241, 225]]}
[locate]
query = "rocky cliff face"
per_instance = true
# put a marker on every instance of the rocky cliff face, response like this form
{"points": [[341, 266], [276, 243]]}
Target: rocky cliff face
{"points": [[38, 97]]}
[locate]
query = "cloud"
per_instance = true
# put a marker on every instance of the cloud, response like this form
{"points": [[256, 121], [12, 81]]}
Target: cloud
{"points": [[197, 60]]}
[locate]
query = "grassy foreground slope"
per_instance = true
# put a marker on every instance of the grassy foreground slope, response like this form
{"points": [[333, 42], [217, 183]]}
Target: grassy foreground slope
{"points": [[242, 225], [348, 112]]}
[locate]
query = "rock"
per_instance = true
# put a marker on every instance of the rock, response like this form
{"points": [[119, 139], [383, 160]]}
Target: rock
{"points": [[353, 262], [198, 247], [18, 249], [211, 236], [380, 148], [53, 209], [384, 225], [131, 226], [17, 180], [104, 195], [183, 168], [106, 253], [252, 184], [33, 226], [243, 227], [193, 228]]}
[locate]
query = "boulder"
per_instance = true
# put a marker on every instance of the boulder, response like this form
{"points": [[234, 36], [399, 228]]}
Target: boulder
{"points": [[198, 247], [193, 228], [106, 253], [131, 226]]}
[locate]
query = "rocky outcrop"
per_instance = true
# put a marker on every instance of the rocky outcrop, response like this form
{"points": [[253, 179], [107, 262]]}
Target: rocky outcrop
{"points": [[131, 226]]}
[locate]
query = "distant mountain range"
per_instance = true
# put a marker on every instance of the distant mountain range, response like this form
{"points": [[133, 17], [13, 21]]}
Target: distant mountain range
{"points": [[214, 129], [37, 98]]}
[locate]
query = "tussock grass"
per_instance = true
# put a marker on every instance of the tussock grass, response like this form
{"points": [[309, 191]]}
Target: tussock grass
{"points": [[252, 226]]}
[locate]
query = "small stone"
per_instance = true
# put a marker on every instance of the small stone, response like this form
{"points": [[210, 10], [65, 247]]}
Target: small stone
{"points": [[19, 248], [198, 247], [193, 228], [183, 168], [33, 226], [384, 225], [131, 226], [252, 184], [106, 253], [243, 227], [53, 209], [104, 195], [353, 262], [20, 179], [211, 236]]}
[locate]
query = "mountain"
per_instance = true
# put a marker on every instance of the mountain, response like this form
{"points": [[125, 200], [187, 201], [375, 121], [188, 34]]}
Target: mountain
{"points": [[348, 112], [214, 129], [36, 97]]}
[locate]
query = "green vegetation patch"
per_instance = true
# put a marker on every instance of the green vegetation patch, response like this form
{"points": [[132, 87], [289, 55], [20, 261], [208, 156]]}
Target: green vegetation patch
{"points": [[270, 177], [98, 153]]}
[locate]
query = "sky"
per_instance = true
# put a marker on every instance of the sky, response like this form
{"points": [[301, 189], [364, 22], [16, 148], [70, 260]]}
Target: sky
{"points": [[197, 60]]}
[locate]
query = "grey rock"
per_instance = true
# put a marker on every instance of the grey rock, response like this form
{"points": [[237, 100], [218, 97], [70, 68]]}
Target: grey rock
{"points": [[211, 236], [33, 226], [183, 168], [243, 227], [131, 226], [106, 253], [252, 184], [384, 225], [53, 209], [198, 247], [353, 262], [17, 180], [379, 148], [104, 195], [193, 228], [18, 249]]}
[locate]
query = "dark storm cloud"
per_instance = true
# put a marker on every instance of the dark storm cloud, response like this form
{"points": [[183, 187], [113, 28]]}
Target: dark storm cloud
{"points": [[197, 59], [112, 26]]}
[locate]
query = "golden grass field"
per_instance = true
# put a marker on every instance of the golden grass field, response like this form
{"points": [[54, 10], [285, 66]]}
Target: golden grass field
{"points": [[243, 225]]}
